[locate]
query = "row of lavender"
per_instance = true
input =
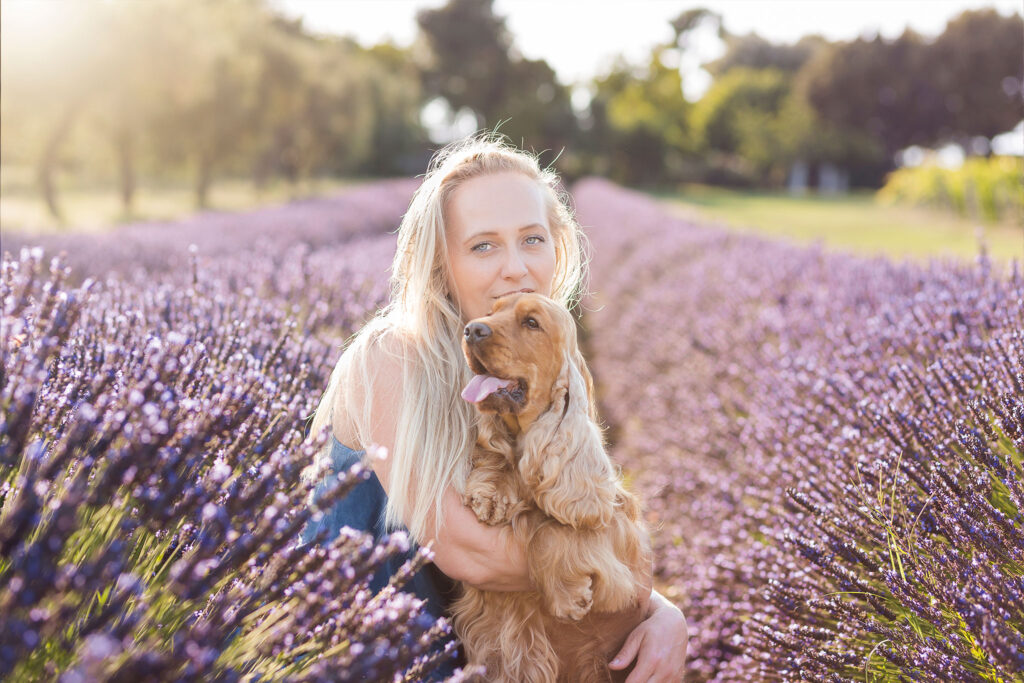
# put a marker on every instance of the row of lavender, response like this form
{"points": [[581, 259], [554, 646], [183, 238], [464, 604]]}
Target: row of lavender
{"points": [[149, 249], [830, 448], [151, 455]]}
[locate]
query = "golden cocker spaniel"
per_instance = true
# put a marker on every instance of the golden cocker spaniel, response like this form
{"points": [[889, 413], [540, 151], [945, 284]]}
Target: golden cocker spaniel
{"points": [[541, 467]]}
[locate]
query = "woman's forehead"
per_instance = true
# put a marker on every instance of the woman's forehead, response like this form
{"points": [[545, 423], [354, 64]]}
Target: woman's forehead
{"points": [[497, 202]]}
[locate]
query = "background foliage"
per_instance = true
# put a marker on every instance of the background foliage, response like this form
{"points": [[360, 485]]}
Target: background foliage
{"points": [[125, 93]]}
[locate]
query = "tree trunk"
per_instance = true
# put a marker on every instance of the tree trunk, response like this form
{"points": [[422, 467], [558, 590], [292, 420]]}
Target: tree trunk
{"points": [[47, 187], [126, 165], [46, 171], [203, 178], [261, 172]]}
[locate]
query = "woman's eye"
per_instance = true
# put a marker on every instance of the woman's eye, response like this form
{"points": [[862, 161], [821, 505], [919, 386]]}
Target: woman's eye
{"points": [[483, 246], [534, 239], [531, 323]]}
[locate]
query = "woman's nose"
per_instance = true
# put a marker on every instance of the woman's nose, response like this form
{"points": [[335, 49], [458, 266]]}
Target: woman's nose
{"points": [[515, 266], [476, 332]]}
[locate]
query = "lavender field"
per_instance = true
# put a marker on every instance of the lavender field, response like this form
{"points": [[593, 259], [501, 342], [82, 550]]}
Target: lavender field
{"points": [[829, 449]]}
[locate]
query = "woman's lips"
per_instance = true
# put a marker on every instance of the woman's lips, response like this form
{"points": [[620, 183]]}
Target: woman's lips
{"points": [[517, 291]]}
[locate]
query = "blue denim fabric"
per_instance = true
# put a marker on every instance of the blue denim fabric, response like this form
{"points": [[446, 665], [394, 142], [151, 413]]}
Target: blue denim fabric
{"points": [[363, 509]]}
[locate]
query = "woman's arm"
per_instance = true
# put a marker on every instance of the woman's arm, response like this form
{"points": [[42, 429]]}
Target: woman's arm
{"points": [[485, 557], [658, 644], [465, 549]]}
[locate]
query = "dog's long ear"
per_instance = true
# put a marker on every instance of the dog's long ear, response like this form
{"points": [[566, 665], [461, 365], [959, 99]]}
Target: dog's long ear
{"points": [[591, 397], [563, 462]]}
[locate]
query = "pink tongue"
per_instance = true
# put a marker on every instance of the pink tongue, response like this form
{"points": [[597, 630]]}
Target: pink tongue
{"points": [[482, 386]]}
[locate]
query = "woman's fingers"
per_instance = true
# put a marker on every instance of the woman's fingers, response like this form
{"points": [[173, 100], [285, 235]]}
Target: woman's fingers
{"points": [[628, 652], [658, 645], [645, 668]]}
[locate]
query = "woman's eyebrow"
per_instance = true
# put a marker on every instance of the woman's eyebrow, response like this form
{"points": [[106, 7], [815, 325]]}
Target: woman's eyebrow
{"points": [[489, 233]]}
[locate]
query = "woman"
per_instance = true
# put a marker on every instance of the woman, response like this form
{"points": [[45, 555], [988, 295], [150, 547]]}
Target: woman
{"points": [[487, 221]]}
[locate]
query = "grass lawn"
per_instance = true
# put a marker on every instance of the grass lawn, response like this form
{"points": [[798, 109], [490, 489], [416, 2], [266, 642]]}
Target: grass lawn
{"points": [[93, 209], [854, 222]]}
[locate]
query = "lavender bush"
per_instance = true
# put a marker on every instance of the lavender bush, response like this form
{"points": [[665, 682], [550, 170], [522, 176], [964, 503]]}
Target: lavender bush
{"points": [[156, 247], [151, 452], [830, 447]]}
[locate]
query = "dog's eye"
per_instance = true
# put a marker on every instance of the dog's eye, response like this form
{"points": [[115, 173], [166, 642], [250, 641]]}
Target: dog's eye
{"points": [[531, 322]]}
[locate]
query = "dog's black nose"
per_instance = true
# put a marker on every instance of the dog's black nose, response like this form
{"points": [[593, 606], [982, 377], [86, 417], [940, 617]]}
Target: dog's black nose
{"points": [[476, 332]]}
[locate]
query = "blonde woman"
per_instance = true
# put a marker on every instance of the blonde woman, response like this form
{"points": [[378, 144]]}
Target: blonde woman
{"points": [[487, 221]]}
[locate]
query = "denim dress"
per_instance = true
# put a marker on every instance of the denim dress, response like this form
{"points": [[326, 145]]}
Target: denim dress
{"points": [[363, 509]]}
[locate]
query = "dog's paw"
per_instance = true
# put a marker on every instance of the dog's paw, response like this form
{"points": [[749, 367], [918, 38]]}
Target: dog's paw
{"points": [[574, 603], [493, 510], [615, 590]]}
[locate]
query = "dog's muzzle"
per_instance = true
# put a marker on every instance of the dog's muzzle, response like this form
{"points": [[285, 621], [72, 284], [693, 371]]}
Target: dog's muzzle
{"points": [[476, 332]]}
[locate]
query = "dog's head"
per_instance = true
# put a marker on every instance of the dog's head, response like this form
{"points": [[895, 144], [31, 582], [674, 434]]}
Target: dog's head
{"points": [[518, 353]]}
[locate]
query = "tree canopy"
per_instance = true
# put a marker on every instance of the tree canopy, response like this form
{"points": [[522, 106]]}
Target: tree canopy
{"points": [[176, 89]]}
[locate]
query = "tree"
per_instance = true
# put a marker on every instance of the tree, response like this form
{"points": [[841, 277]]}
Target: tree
{"points": [[398, 139], [326, 105], [770, 142], [754, 52], [277, 102], [740, 90], [472, 63], [909, 91], [130, 64], [977, 65], [879, 87], [641, 120], [198, 89], [49, 69], [537, 111], [693, 19], [469, 60]]}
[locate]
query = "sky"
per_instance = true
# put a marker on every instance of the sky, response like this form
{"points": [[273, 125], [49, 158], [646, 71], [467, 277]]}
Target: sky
{"points": [[581, 38]]}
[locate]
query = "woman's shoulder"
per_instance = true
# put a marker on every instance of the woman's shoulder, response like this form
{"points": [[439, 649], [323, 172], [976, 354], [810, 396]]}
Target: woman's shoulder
{"points": [[384, 340], [374, 361]]}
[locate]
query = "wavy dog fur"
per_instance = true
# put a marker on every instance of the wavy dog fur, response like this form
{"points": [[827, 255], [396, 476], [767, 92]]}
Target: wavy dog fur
{"points": [[541, 467]]}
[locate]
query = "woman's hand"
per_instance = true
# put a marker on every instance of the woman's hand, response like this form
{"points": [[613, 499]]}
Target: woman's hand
{"points": [[486, 557], [658, 644]]}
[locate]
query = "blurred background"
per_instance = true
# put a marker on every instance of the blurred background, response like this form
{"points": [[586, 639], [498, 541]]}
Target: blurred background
{"points": [[893, 125]]}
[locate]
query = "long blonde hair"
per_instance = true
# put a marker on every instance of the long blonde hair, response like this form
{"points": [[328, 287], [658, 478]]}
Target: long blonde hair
{"points": [[423, 326]]}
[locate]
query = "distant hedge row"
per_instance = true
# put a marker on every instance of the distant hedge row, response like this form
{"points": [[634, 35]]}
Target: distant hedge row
{"points": [[986, 189]]}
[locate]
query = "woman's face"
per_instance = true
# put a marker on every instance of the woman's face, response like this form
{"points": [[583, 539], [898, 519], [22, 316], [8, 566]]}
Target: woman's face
{"points": [[499, 241]]}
